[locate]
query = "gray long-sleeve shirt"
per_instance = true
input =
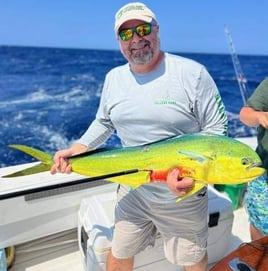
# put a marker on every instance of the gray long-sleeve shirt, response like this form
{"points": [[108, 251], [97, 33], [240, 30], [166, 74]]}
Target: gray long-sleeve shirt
{"points": [[178, 97]]}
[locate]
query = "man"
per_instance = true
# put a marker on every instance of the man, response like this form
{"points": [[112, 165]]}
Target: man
{"points": [[154, 96]]}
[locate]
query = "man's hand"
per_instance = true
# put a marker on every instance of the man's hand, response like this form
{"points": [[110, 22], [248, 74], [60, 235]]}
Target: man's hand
{"points": [[61, 163], [178, 185]]}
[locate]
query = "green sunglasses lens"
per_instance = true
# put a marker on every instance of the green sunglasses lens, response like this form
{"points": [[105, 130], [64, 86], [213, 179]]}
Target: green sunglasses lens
{"points": [[141, 30], [126, 34]]}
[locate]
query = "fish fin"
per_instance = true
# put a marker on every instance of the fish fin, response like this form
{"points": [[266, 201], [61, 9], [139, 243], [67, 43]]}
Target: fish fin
{"points": [[29, 171], [198, 186], [132, 180], [195, 156], [37, 154], [45, 158]]}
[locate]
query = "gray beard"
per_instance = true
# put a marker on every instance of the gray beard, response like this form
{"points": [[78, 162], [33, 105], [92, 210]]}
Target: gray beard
{"points": [[142, 58]]}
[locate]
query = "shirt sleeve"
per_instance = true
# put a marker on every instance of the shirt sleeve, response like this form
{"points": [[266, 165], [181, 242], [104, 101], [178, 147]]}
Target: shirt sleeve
{"points": [[96, 134], [259, 99], [101, 128], [210, 108]]}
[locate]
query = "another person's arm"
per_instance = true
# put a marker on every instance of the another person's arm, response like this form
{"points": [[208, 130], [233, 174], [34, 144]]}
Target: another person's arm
{"points": [[253, 118], [255, 112]]}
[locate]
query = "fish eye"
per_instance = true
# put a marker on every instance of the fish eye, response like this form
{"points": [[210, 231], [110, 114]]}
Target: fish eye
{"points": [[245, 161]]}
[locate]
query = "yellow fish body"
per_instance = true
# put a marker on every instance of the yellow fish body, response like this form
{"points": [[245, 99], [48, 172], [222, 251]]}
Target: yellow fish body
{"points": [[208, 159]]}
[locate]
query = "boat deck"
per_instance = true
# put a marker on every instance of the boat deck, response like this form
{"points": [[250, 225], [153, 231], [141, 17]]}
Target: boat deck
{"points": [[60, 252]]}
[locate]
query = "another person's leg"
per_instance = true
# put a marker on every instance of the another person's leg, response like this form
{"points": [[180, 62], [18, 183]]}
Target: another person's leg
{"points": [[256, 204], [255, 234]]}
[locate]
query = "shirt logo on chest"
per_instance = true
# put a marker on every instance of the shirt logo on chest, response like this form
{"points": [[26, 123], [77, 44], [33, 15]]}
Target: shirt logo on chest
{"points": [[166, 100]]}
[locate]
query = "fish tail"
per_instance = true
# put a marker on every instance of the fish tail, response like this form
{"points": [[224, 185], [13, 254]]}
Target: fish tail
{"points": [[45, 159]]}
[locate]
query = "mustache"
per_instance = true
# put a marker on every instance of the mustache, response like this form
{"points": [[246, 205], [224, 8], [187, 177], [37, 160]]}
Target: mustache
{"points": [[139, 44]]}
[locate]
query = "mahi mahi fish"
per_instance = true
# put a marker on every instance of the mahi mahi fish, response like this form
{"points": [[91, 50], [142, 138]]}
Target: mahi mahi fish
{"points": [[208, 159]]}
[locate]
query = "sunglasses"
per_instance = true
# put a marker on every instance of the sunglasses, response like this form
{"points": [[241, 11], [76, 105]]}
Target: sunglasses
{"points": [[141, 30]]}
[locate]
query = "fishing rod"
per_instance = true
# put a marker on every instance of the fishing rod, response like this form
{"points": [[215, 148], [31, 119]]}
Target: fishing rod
{"points": [[154, 176], [61, 185], [241, 79]]}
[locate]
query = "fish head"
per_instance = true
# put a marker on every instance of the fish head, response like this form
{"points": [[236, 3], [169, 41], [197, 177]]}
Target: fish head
{"points": [[236, 165], [234, 170]]}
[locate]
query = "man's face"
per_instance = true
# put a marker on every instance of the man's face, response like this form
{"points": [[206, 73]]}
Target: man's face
{"points": [[139, 50]]}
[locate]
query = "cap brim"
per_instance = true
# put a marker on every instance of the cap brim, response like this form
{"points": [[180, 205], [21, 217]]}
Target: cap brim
{"points": [[144, 18]]}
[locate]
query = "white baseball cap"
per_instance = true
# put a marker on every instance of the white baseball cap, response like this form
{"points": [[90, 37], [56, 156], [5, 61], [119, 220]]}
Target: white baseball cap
{"points": [[133, 11]]}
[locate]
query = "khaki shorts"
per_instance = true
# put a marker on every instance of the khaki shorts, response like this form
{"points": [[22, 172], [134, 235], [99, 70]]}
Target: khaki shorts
{"points": [[182, 226]]}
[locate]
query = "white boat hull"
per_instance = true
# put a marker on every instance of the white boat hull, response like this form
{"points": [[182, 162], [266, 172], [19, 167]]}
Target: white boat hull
{"points": [[26, 218]]}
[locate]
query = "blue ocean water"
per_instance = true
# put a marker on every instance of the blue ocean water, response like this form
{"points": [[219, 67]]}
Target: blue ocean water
{"points": [[50, 95]]}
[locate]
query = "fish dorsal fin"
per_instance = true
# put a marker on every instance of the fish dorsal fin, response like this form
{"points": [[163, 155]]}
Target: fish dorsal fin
{"points": [[195, 156]]}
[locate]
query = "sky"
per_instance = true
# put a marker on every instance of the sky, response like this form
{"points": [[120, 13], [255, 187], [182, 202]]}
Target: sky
{"points": [[185, 25]]}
